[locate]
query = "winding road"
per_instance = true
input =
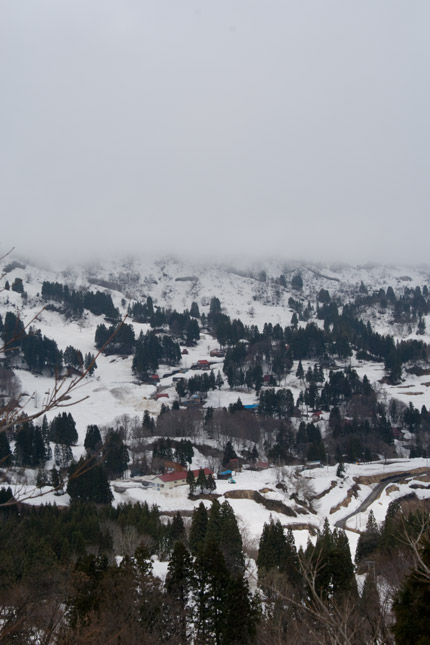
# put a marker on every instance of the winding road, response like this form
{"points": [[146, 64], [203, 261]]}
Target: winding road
{"points": [[376, 492]]}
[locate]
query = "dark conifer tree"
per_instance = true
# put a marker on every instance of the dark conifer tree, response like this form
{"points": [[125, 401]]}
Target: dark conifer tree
{"points": [[241, 613], [229, 453], [191, 481], [88, 482], [271, 548], [5, 451], [177, 529], [116, 455], [89, 363], [230, 539], [199, 524], [201, 480], [210, 483], [179, 582], [93, 440], [194, 310], [412, 603], [210, 594], [368, 541], [63, 429]]}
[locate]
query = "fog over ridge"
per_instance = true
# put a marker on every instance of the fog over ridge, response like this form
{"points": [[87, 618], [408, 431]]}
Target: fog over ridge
{"points": [[223, 131]]}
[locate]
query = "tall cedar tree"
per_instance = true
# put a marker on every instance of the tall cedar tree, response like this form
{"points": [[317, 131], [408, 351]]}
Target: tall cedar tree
{"points": [[93, 440], [411, 605], [179, 581], [116, 455], [199, 525], [88, 482]]}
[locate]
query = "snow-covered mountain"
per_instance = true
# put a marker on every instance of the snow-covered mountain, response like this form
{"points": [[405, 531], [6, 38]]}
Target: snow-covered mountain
{"points": [[252, 293]]}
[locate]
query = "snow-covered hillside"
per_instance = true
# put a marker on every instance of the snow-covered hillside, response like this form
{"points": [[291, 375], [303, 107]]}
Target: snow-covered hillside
{"points": [[257, 296], [244, 294]]}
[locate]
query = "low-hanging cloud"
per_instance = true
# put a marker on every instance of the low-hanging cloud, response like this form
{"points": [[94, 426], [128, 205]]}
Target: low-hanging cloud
{"points": [[236, 127]]}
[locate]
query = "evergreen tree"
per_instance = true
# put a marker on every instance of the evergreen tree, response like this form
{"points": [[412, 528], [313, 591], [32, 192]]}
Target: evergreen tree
{"points": [[89, 363], [201, 480], [93, 440], [289, 560], [271, 548], [219, 380], [229, 453], [17, 285], [179, 582], [116, 455], [5, 451], [63, 455], [230, 539], [411, 604], [210, 483], [211, 582], [148, 421], [194, 310], [297, 281], [192, 332], [177, 529], [73, 357], [88, 482], [101, 336], [63, 429], [371, 609], [55, 478], [29, 446], [191, 482], [241, 613], [184, 452], [368, 541], [199, 524], [331, 558]]}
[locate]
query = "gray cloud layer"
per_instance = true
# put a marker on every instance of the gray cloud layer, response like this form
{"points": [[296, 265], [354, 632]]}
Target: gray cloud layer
{"points": [[270, 128]]}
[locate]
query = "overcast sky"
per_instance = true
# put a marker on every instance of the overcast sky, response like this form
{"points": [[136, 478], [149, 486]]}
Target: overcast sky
{"points": [[268, 127]]}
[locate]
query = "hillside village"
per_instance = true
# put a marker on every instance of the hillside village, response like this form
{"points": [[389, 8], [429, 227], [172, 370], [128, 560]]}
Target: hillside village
{"points": [[296, 395]]}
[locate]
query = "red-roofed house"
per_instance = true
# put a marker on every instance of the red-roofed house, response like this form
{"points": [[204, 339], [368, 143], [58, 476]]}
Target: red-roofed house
{"points": [[171, 480]]}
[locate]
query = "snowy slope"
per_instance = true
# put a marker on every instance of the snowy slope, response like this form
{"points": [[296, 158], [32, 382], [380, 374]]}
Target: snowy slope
{"points": [[113, 391]]}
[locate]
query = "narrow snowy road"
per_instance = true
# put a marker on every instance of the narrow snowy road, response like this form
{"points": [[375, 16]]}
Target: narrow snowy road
{"points": [[376, 492]]}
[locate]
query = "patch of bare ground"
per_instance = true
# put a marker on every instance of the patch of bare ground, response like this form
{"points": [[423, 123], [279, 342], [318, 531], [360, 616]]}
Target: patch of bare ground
{"points": [[186, 513], [266, 490], [426, 384], [367, 480], [271, 504], [413, 393], [391, 489], [327, 490], [418, 371], [209, 496], [423, 478], [301, 527], [352, 492]]}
